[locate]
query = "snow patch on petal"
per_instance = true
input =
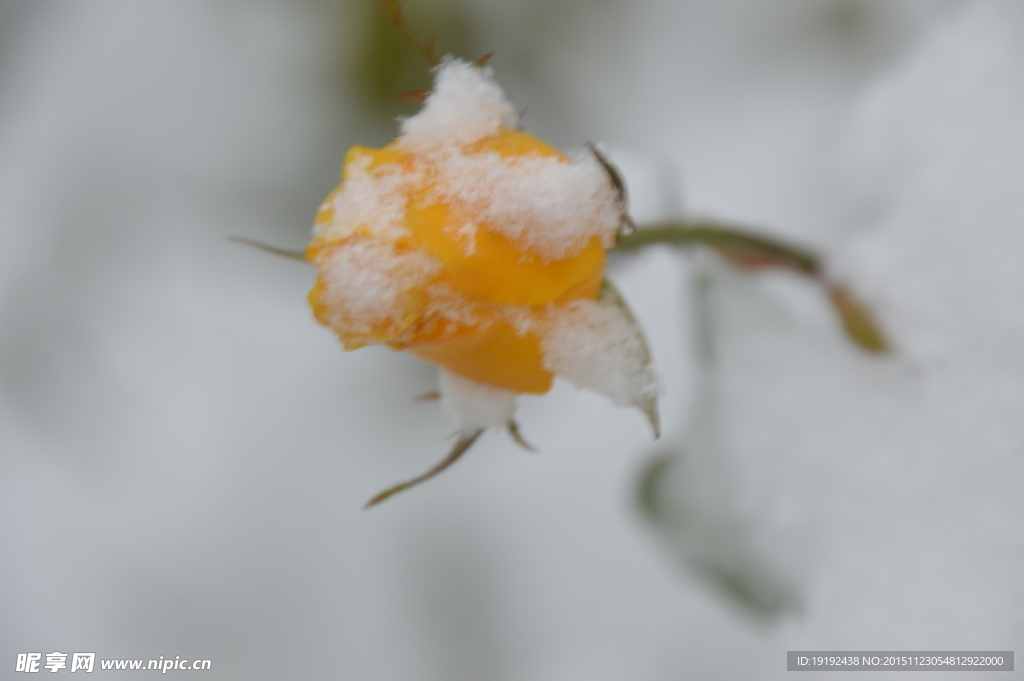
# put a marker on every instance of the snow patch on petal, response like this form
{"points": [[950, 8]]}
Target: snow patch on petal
{"points": [[368, 288], [550, 207], [476, 405], [598, 345], [370, 199]]}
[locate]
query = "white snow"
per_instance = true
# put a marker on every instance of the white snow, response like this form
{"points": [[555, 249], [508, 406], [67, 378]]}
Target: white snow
{"points": [[370, 200], [466, 104], [474, 405], [547, 206], [840, 480], [368, 285], [597, 345]]}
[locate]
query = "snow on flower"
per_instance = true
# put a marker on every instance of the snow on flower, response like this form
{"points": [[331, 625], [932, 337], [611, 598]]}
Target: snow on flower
{"points": [[480, 248]]}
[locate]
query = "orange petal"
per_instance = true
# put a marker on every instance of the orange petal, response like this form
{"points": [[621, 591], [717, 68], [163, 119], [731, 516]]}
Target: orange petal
{"points": [[487, 265], [492, 268], [498, 356], [516, 143]]}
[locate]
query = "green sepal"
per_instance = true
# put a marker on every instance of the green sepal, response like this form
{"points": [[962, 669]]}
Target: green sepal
{"points": [[517, 436], [461, 447]]}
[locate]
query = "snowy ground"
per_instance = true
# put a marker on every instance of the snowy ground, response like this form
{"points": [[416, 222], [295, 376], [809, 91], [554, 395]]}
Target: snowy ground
{"points": [[184, 452]]}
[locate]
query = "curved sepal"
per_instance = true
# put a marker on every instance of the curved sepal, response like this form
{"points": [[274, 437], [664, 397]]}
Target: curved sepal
{"points": [[461, 447]]}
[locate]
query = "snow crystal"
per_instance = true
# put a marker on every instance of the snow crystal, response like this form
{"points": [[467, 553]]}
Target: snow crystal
{"points": [[466, 104], [475, 405]]}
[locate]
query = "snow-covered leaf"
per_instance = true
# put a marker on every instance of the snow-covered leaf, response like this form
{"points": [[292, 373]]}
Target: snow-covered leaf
{"points": [[599, 345]]}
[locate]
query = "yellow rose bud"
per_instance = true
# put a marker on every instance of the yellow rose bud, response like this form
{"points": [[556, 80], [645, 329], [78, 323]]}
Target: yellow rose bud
{"points": [[470, 243]]}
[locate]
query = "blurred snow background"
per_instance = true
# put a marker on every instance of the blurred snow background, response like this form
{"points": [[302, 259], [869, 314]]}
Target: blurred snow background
{"points": [[184, 452]]}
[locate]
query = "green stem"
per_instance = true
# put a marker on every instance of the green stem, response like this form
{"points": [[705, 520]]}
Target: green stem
{"points": [[752, 250], [730, 240], [517, 436]]}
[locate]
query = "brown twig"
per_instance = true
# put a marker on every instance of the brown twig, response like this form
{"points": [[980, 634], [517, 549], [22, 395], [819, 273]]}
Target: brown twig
{"points": [[399, 19]]}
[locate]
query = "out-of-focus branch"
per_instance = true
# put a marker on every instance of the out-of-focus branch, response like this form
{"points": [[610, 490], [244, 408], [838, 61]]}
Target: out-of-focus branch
{"points": [[399, 19], [750, 250]]}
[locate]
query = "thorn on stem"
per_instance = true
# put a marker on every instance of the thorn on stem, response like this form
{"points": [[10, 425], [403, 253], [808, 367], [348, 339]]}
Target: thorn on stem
{"points": [[273, 250], [414, 95], [857, 319]]}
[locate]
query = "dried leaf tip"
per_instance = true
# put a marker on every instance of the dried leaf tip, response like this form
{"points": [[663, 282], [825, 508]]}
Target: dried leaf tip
{"points": [[857, 320]]}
